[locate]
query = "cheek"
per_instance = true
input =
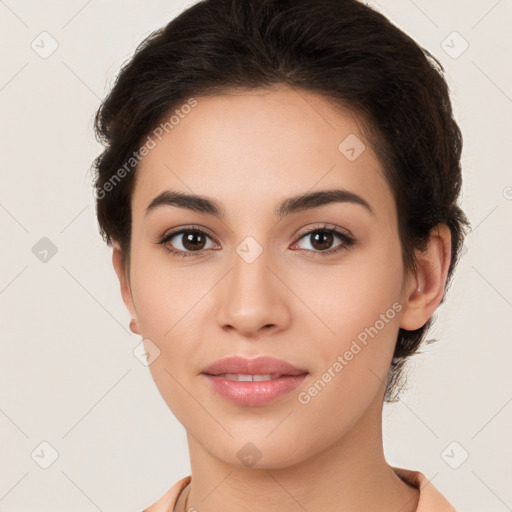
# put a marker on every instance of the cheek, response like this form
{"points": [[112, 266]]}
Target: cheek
{"points": [[353, 296], [362, 309], [172, 304], [169, 310], [166, 295], [351, 368]]}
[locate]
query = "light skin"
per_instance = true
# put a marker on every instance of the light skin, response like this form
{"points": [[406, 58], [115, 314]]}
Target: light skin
{"points": [[250, 151]]}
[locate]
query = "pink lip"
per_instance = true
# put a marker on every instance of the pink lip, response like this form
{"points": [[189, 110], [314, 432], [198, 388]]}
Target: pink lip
{"points": [[260, 365], [258, 392]]}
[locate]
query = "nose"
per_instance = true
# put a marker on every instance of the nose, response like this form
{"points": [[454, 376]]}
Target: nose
{"points": [[252, 298]]}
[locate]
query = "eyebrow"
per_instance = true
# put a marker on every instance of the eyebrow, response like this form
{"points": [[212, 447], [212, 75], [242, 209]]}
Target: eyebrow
{"points": [[306, 201]]}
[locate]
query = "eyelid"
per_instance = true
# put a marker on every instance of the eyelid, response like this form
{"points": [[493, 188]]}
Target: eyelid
{"points": [[347, 240], [308, 230], [169, 235], [191, 227], [326, 226]]}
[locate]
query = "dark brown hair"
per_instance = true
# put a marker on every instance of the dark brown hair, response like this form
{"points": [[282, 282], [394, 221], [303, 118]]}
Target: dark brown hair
{"points": [[341, 49]]}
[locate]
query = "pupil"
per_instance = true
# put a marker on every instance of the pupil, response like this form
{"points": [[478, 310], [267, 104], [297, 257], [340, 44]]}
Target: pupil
{"points": [[323, 235], [191, 241]]}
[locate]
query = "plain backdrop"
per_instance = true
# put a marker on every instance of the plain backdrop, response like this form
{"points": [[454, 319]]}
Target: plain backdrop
{"points": [[83, 426]]}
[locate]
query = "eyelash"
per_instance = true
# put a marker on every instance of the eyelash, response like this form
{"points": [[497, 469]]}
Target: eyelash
{"points": [[347, 241]]}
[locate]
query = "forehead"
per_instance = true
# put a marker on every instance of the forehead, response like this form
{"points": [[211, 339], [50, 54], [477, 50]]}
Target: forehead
{"points": [[258, 146]]}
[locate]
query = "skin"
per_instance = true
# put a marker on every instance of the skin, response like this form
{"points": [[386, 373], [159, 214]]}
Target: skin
{"points": [[249, 151]]}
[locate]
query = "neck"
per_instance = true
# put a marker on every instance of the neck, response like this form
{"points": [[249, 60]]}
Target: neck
{"points": [[350, 474]]}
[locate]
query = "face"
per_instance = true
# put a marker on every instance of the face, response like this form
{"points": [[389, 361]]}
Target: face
{"points": [[250, 283]]}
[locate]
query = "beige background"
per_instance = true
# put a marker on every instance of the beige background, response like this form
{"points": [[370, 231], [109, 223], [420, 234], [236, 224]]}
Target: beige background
{"points": [[69, 377]]}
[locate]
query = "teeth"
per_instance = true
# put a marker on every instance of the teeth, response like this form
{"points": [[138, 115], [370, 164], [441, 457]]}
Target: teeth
{"points": [[241, 377]]}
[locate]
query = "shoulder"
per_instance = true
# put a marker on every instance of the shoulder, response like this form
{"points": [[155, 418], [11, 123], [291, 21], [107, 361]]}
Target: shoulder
{"points": [[430, 498], [168, 500]]}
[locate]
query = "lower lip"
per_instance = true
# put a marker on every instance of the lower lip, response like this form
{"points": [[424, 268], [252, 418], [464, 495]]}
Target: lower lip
{"points": [[254, 393]]}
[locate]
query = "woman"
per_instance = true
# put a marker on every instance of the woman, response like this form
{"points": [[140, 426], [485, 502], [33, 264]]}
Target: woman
{"points": [[279, 185]]}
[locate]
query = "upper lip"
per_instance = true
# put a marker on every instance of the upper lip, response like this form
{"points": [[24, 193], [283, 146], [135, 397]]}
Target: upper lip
{"points": [[259, 366]]}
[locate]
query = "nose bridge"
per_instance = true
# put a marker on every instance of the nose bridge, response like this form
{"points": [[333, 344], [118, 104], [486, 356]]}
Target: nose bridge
{"points": [[252, 296], [251, 266]]}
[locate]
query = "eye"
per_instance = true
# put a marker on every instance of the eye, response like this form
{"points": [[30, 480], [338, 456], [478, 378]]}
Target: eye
{"points": [[322, 238], [192, 241], [188, 241]]}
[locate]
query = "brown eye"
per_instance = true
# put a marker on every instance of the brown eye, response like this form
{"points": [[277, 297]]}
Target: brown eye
{"points": [[193, 240], [321, 241], [186, 241]]}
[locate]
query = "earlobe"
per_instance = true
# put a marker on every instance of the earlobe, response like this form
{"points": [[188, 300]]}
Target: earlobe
{"points": [[134, 327], [425, 288], [124, 282]]}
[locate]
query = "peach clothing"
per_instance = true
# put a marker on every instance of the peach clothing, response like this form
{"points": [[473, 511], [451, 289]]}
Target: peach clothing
{"points": [[431, 500]]}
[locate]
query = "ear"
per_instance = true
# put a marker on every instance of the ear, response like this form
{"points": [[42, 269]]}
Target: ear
{"points": [[124, 281], [425, 287]]}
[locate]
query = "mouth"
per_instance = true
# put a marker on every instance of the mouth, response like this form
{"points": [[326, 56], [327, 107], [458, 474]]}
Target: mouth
{"points": [[241, 377], [253, 382], [265, 366]]}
